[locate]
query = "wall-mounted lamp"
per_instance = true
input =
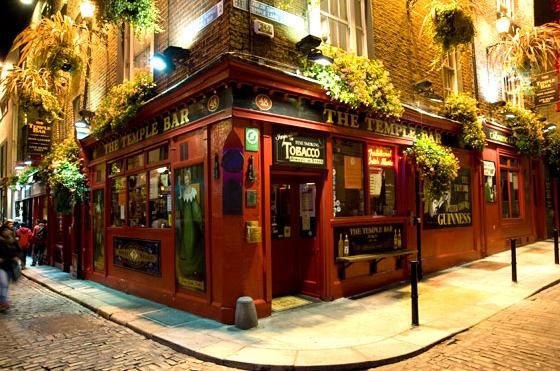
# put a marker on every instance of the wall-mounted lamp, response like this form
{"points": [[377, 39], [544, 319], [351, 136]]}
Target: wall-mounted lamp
{"points": [[26, 2], [87, 9], [82, 125], [549, 128], [502, 24], [425, 89], [308, 46], [165, 62]]}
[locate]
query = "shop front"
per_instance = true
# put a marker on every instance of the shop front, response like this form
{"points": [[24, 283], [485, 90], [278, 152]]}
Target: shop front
{"points": [[256, 184]]}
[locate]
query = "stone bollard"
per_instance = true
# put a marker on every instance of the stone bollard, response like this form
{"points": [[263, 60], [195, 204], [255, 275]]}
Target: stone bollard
{"points": [[245, 313]]}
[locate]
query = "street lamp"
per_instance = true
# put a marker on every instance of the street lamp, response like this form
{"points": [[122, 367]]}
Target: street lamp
{"points": [[26, 2], [502, 24], [87, 9]]}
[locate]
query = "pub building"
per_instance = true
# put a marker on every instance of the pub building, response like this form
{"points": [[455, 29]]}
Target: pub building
{"points": [[245, 180]]}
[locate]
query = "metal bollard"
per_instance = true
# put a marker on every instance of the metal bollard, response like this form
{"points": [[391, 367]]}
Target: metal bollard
{"points": [[556, 255], [414, 291], [513, 261]]}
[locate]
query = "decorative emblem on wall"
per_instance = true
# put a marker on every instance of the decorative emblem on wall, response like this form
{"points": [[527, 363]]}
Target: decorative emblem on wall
{"points": [[264, 102], [213, 103]]}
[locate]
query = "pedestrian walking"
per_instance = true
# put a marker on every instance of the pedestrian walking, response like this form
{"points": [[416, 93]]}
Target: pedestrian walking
{"points": [[9, 264], [9, 224], [39, 242], [24, 234]]}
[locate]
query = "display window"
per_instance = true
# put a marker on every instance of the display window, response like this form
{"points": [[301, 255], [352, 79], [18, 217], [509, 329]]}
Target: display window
{"points": [[510, 187], [99, 230], [141, 195], [363, 173]]}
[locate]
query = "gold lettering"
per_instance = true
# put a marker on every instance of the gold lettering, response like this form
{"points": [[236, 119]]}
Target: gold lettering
{"points": [[379, 126], [184, 116], [438, 138], [354, 121], [369, 122], [166, 123], [175, 120], [154, 130], [329, 113], [342, 119]]}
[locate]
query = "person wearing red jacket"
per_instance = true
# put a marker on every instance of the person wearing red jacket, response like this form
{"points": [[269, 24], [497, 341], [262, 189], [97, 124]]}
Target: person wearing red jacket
{"points": [[24, 234]]}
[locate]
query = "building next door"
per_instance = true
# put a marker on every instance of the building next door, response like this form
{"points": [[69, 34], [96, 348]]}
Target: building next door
{"points": [[296, 234]]}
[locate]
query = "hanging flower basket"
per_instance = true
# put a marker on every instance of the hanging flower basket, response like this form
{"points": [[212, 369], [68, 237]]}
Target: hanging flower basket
{"points": [[437, 165], [462, 108], [143, 15], [64, 59], [527, 130], [451, 26]]}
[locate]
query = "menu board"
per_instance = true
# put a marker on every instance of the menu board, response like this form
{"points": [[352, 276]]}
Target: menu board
{"points": [[453, 209]]}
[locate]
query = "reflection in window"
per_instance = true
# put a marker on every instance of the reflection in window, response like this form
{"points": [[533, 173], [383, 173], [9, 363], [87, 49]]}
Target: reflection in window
{"points": [[348, 178], [116, 167], [118, 201], [99, 230], [159, 202], [382, 190], [509, 186], [158, 154], [137, 200], [99, 173], [135, 162]]}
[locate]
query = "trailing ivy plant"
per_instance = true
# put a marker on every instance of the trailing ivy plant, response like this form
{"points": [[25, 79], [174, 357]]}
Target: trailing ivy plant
{"points": [[437, 165], [143, 15], [62, 171], [451, 25], [527, 130], [552, 150], [121, 104], [357, 81], [462, 108], [23, 178]]}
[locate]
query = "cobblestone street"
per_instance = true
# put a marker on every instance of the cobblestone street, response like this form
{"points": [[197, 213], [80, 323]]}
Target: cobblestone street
{"points": [[45, 331], [526, 336]]}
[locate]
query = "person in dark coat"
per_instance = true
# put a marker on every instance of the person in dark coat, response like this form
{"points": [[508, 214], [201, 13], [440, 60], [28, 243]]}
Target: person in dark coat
{"points": [[9, 256]]}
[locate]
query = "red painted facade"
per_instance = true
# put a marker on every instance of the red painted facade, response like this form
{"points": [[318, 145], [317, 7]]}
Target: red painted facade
{"points": [[300, 234]]}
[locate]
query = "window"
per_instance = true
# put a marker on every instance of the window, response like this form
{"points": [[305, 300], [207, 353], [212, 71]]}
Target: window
{"points": [[506, 7], [512, 90], [509, 187], [382, 180], [99, 230], [452, 73], [136, 52], [141, 195], [99, 173], [343, 24], [348, 177], [118, 201]]}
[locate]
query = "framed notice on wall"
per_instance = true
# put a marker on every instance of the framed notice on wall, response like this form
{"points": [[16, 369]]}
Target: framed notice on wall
{"points": [[352, 172]]}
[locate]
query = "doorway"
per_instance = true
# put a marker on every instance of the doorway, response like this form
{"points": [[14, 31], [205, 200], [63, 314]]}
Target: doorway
{"points": [[295, 235]]}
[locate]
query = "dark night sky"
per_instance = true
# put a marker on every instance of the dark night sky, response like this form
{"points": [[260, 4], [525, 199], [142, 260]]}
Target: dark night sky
{"points": [[14, 17]]}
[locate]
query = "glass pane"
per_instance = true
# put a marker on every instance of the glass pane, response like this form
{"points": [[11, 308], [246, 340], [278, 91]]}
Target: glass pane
{"points": [[343, 36], [348, 194], [280, 209], [359, 43], [99, 230], [99, 173], [358, 13], [141, 51], [189, 228], [135, 162], [158, 154], [159, 203], [325, 6], [503, 160], [334, 7], [137, 200], [343, 10], [505, 193], [116, 167], [514, 192], [513, 162], [333, 37], [382, 190], [118, 201]]}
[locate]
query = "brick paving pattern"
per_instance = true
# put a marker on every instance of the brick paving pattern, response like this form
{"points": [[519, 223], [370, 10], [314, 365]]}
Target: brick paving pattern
{"points": [[525, 336], [45, 331]]}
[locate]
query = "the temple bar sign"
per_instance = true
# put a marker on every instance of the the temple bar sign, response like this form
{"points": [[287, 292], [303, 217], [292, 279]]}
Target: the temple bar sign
{"points": [[546, 88], [378, 126], [290, 148]]}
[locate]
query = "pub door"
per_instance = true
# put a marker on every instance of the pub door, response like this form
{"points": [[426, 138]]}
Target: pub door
{"points": [[296, 241]]}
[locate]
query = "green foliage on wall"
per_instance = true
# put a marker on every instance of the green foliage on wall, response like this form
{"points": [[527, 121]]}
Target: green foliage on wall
{"points": [[451, 25], [527, 130], [358, 82], [143, 15], [122, 103], [436, 165], [462, 108]]}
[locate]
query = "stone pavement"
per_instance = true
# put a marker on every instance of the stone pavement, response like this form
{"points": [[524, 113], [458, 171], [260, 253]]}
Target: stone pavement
{"points": [[342, 334], [46, 331]]}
